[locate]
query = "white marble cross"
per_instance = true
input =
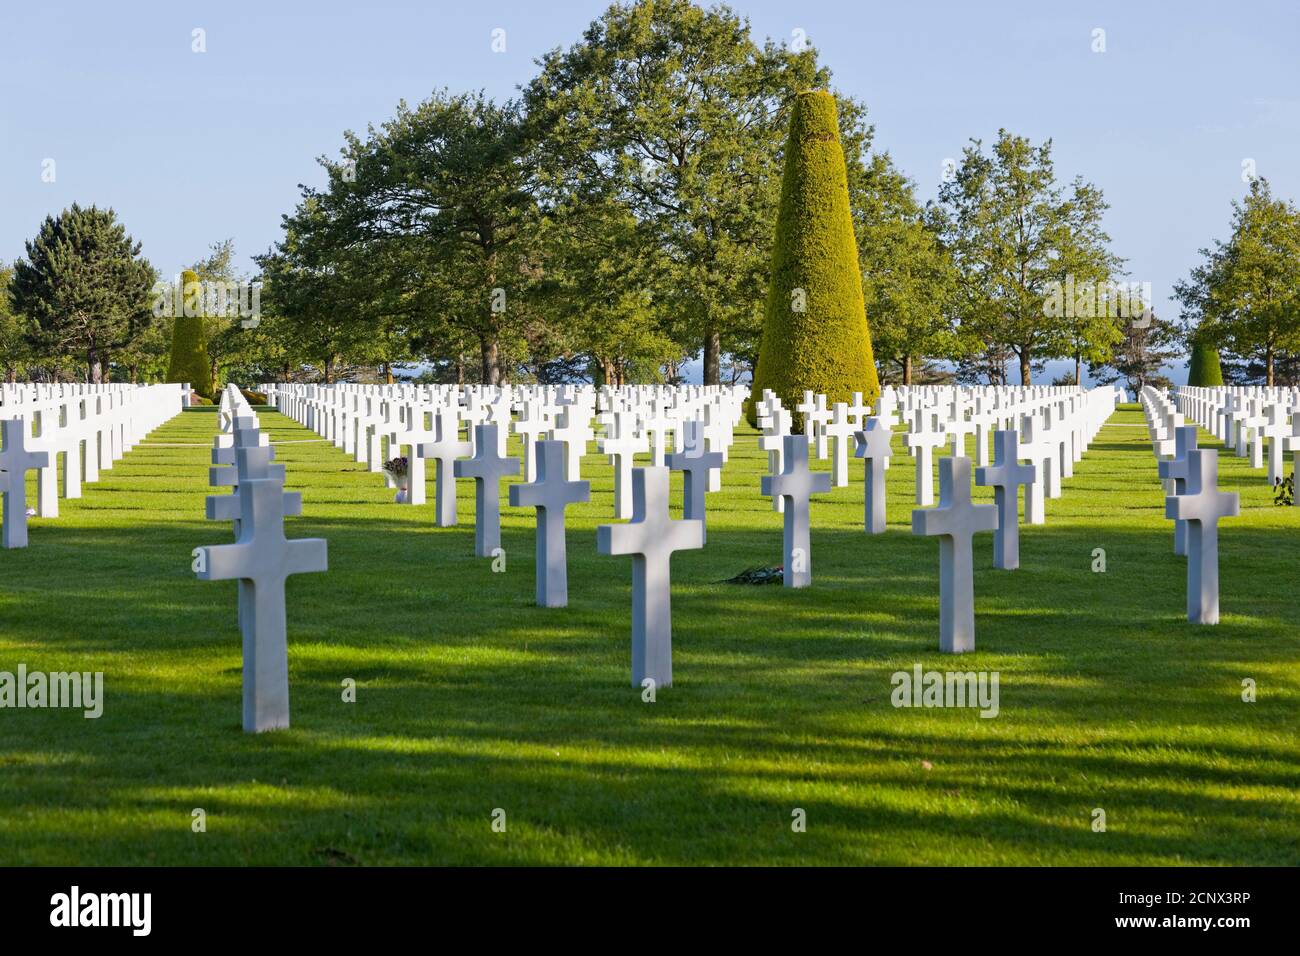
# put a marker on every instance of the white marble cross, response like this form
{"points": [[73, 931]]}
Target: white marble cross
{"points": [[657, 424], [15, 462], [499, 415], [1175, 470], [858, 411], [958, 427], [1201, 506], [72, 459], [622, 443], [815, 416], [487, 468], [261, 559], [445, 450], [651, 538], [1248, 438], [1035, 448], [530, 426], [796, 484], [1006, 475], [840, 430], [1293, 445], [474, 413], [367, 425], [922, 442], [573, 428], [696, 464], [955, 521], [718, 436], [1053, 441], [772, 441], [1273, 435], [49, 440], [985, 421], [873, 447], [550, 494], [411, 436], [886, 410]]}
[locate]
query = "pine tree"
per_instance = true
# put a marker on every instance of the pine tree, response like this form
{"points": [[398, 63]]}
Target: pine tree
{"points": [[83, 287]]}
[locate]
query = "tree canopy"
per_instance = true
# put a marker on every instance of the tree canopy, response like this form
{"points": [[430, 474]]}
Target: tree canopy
{"points": [[1244, 296], [83, 287]]}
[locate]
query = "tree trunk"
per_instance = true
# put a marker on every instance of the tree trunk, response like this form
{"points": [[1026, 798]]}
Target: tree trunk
{"points": [[713, 358], [1268, 360], [1024, 365], [1078, 369], [94, 366], [907, 370], [329, 371], [491, 355]]}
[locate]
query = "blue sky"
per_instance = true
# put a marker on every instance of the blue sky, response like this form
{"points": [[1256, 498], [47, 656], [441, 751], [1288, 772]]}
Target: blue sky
{"points": [[191, 148]]}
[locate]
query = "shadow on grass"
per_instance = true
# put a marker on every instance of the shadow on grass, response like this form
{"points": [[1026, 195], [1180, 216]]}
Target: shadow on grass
{"points": [[471, 698]]}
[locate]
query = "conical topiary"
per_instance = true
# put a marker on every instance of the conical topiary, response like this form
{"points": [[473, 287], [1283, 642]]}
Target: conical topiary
{"points": [[1204, 368], [815, 332], [189, 355]]}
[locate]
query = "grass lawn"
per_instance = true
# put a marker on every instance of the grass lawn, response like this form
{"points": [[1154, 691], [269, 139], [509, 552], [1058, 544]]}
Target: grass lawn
{"points": [[470, 698]]}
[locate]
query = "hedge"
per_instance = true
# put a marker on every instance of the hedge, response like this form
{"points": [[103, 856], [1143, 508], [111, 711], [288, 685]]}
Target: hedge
{"points": [[189, 354], [815, 333]]}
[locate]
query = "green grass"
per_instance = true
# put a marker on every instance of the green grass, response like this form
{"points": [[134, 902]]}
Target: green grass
{"points": [[470, 698]]}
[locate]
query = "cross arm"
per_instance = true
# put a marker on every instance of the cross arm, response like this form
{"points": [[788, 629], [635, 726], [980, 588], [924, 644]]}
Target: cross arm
{"points": [[614, 539], [306, 555], [528, 495], [685, 534], [226, 507], [1175, 468], [223, 562]]}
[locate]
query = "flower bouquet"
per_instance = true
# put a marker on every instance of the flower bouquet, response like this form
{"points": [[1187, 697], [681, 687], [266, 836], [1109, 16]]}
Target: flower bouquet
{"points": [[397, 474]]}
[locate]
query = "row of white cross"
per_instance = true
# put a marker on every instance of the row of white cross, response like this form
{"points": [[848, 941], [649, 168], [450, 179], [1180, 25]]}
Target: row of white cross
{"points": [[1250, 420], [1055, 427], [1049, 430], [261, 557], [1195, 503], [92, 426], [426, 424], [696, 422]]}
